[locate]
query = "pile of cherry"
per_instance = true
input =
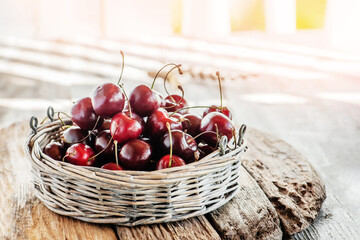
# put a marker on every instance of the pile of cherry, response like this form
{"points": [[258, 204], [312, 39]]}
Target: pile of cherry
{"points": [[144, 131]]}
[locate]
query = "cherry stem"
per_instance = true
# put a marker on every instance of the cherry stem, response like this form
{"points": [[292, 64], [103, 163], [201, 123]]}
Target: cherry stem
{"points": [[62, 122], [217, 135], [166, 76], [182, 97], [107, 145], [127, 99], [122, 66], [88, 135], [234, 135], [157, 74], [171, 145], [194, 107], [218, 76], [116, 154]]}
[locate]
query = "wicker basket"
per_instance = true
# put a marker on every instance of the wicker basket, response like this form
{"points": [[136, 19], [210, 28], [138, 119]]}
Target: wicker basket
{"points": [[131, 197]]}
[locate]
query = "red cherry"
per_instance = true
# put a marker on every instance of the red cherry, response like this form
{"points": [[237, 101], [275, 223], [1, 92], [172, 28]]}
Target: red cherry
{"points": [[205, 150], [223, 110], [55, 150], [175, 102], [124, 128], [112, 166], [144, 101], [191, 123], [183, 145], [74, 135], [105, 126], [135, 155], [161, 97], [102, 144], [80, 154], [84, 115], [164, 162], [135, 117], [209, 122], [108, 100], [156, 123]]}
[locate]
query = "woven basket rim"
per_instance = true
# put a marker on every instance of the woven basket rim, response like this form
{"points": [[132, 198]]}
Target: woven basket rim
{"points": [[212, 158]]}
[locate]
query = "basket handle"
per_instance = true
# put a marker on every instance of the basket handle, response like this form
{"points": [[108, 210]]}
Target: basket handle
{"points": [[223, 145], [242, 131], [33, 124], [50, 113]]}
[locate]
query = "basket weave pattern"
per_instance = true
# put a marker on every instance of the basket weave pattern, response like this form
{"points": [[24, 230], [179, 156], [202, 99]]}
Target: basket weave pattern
{"points": [[131, 198]]}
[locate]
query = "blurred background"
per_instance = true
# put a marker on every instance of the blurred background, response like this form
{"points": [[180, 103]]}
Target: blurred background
{"points": [[291, 68]]}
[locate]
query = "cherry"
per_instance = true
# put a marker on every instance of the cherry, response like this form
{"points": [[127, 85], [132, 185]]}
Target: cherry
{"points": [[168, 161], [191, 124], [144, 101], [80, 154], [83, 114], [183, 145], [108, 100], [205, 150], [175, 102], [216, 122], [105, 126], [124, 128], [156, 123], [221, 109], [135, 117], [112, 166], [135, 155], [55, 150], [74, 135], [162, 99], [102, 144]]}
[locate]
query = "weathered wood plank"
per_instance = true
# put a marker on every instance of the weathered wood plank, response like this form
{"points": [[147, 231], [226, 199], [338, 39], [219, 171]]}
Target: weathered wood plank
{"points": [[22, 216], [249, 215], [189, 229], [287, 178]]}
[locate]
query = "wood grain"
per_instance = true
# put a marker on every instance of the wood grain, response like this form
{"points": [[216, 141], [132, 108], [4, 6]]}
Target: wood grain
{"points": [[190, 229], [249, 215], [287, 178]]}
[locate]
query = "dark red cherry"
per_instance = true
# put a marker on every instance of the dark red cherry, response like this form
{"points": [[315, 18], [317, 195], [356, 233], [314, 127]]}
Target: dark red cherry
{"points": [[209, 123], [112, 166], [80, 154], [191, 124], [135, 155], [178, 116], [55, 150], [105, 126], [223, 110], [144, 101], [102, 144], [124, 128], [162, 99], [205, 150], [165, 162], [74, 135], [183, 145], [136, 117], [83, 114], [156, 124], [108, 100], [172, 104]]}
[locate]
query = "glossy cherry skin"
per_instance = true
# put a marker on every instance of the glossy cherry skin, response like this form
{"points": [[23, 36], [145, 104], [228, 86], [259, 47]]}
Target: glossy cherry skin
{"points": [[124, 128], [156, 124], [175, 162], [162, 99], [83, 114], [224, 124], [105, 126], [80, 154], [55, 150], [101, 143], [144, 101], [183, 145], [112, 166], [74, 135], [108, 100], [191, 124], [136, 117], [224, 111], [205, 150], [135, 155], [171, 104]]}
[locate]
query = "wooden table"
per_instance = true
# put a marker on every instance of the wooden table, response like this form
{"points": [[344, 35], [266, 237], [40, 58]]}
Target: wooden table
{"points": [[58, 71]]}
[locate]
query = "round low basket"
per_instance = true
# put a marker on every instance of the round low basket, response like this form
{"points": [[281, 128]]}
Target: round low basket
{"points": [[132, 197]]}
